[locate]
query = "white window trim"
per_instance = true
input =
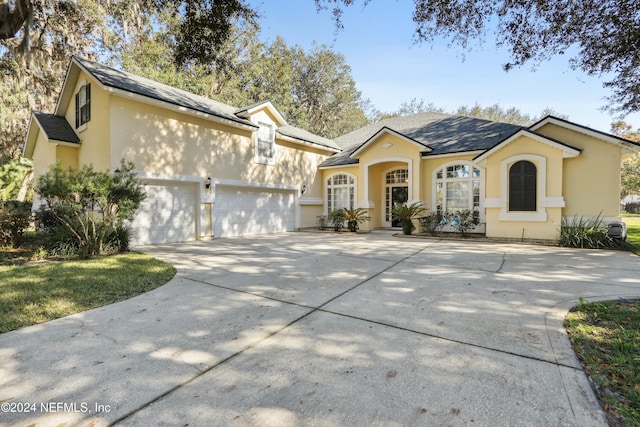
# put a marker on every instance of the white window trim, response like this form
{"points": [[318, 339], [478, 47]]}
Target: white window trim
{"points": [[79, 87], [542, 203], [326, 189], [386, 223], [257, 158], [443, 167]]}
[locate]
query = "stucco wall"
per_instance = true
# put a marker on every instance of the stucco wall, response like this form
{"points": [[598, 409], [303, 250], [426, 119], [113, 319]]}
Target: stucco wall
{"points": [[497, 188], [94, 148], [592, 180]]}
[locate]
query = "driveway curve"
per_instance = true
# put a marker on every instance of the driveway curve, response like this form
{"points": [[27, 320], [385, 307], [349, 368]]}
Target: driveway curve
{"points": [[327, 330]]}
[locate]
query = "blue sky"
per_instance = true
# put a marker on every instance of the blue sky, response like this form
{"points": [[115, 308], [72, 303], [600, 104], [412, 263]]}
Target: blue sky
{"points": [[389, 68]]}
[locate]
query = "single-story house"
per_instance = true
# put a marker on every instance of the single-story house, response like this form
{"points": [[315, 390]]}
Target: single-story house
{"points": [[213, 170]]}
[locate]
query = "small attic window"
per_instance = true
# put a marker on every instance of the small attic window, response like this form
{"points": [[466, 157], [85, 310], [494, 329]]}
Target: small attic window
{"points": [[265, 143], [83, 105]]}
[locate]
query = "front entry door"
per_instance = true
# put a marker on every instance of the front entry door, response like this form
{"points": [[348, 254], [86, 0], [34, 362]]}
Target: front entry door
{"points": [[399, 195]]}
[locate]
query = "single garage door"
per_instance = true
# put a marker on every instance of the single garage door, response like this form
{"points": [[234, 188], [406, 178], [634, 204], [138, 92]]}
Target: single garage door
{"points": [[239, 211], [167, 215]]}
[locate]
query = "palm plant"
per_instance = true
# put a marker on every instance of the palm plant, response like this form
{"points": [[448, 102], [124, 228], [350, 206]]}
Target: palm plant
{"points": [[355, 217], [406, 213]]}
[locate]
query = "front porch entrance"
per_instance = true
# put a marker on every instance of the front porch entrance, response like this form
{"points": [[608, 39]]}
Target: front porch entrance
{"points": [[396, 193]]}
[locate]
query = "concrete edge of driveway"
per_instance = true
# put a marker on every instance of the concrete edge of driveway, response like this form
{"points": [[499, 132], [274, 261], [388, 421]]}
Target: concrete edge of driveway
{"points": [[566, 355]]}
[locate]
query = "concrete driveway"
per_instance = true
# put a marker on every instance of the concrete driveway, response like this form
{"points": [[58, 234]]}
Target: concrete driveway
{"points": [[328, 330]]}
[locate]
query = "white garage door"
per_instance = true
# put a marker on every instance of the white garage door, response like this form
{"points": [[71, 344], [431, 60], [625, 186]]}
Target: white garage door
{"points": [[168, 214], [239, 211]]}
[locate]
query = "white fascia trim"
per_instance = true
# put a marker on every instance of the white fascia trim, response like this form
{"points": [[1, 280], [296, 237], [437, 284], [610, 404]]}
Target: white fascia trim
{"points": [[442, 156], [566, 151], [306, 143], [273, 110], [386, 130], [310, 201], [30, 139], [65, 143], [70, 74], [350, 165], [177, 108], [586, 131]]}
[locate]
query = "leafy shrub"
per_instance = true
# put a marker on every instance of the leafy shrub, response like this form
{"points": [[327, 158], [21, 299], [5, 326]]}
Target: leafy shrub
{"points": [[91, 205], [406, 213], [336, 219], [431, 223], [15, 217], [355, 217], [590, 233], [463, 220]]}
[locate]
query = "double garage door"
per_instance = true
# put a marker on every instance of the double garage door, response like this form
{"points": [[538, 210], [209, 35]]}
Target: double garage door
{"points": [[170, 211], [239, 211]]}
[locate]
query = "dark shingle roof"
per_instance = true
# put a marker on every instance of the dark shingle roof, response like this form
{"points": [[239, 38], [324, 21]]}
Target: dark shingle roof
{"points": [[444, 133], [159, 91], [56, 127], [303, 135], [152, 89]]}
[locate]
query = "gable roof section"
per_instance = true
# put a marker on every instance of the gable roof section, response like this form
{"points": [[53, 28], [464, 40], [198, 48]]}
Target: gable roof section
{"points": [[567, 150], [443, 133], [386, 131], [55, 129], [128, 84], [629, 146], [247, 111], [116, 80]]}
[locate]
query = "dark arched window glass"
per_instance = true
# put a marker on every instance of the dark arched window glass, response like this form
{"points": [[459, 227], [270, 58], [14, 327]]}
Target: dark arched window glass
{"points": [[522, 186]]}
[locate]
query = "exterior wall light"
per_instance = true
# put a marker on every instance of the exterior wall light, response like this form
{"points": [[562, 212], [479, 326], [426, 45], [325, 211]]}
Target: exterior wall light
{"points": [[207, 182], [303, 189]]}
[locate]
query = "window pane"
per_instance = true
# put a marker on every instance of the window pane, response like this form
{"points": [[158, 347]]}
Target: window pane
{"points": [[457, 196]]}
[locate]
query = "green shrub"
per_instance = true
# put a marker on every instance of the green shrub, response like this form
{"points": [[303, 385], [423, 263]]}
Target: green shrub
{"points": [[336, 219], [15, 217], [463, 220], [91, 205], [431, 223], [590, 233]]}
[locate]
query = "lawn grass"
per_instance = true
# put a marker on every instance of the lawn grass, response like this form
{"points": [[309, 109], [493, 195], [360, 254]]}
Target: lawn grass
{"points": [[606, 337], [38, 292], [633, 231]]}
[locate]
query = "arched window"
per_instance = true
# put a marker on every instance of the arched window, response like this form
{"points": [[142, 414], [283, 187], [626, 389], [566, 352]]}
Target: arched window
{"points": [[457, 187], [523, 186], [341, 189]]}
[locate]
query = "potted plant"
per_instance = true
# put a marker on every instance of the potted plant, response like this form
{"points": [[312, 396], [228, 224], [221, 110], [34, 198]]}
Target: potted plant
{"points": [[355, 217], [406, 213]]}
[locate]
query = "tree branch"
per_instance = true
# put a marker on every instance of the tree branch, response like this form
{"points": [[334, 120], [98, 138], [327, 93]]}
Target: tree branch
{"points": [[12, 20]]}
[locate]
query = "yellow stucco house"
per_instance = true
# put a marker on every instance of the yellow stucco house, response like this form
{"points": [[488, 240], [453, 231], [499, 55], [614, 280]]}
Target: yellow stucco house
{"points": [[213, 170]]}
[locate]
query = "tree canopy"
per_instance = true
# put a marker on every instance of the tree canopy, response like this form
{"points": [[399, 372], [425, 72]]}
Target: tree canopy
{"points": [[605, 34]]}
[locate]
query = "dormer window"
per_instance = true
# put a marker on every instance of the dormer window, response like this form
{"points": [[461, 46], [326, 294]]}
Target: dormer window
{"points": [[83, 105], [265, 141]]}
